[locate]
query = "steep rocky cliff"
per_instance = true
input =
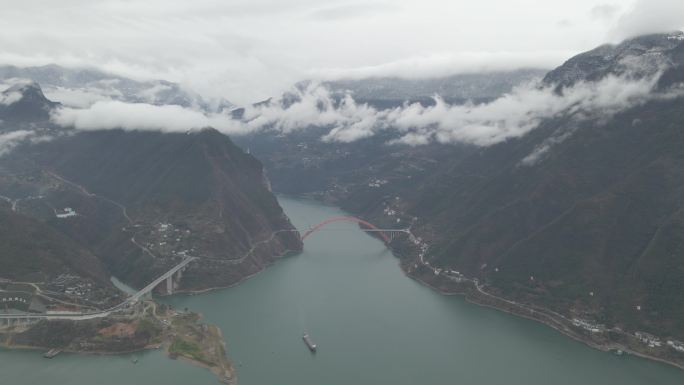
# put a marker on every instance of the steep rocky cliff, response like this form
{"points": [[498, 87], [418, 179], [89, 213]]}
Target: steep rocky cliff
{"points": [[142, 201], [582, 215]]}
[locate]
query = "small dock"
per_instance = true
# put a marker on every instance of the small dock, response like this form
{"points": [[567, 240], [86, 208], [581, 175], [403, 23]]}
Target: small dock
{"points": [[309, 343], [52, 353]]}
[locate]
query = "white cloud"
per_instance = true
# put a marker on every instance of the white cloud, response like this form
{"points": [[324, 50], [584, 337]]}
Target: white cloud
{"points": [[604, 12], [12, 139], [248, 50], [105, 115], [353, 10], [516, 113], [445, 64], [510, 116], [10, 97], [82, 97], [151, 94], [649, 16], [315, 107], [542, 149]]}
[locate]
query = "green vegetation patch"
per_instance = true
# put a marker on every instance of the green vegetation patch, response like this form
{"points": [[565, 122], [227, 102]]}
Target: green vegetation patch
{"points": [[149, 330], [22, 287], [181, 347], [15, 300]]}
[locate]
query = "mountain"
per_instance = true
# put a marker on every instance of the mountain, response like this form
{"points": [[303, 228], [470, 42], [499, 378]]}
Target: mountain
{"points": [[581, 216], [80, 87], [24, 101], [385, 92], [299, 162], [212, 194], [589, 231], [32, 249], [141, 201], [638, 57]]}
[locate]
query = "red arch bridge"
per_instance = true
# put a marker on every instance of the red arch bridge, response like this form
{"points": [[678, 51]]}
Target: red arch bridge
{"points": [[386, 234]]}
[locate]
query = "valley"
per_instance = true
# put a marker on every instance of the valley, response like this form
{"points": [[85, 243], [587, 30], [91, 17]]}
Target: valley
{"points": [[554, 196], [76, 210], [346, 289], [588, 240]]}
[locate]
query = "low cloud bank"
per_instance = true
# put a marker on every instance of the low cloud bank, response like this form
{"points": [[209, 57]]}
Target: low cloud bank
{"points": [[510, 116], [80, 98], [439, 65], [515, 114], [104, 115], [12, 139], [7, 98], [649, 16], [10, 90]]}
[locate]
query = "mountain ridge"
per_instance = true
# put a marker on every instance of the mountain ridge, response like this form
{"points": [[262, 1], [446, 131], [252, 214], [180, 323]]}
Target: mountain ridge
{"points": [[578, 216], [124, 186], [79, 87]]}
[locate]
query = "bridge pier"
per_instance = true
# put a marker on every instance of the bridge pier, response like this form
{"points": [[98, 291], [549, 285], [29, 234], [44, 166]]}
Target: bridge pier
{"points": [[169, 277], [169, 285]]}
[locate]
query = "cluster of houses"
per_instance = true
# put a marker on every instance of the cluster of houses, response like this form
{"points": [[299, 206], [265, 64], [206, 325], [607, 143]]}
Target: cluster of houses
{"points": [[655, 342], [165, 228], [590, 326], [389, 211], [422, 246], [10, 299], [676, 345], [14, 300], [80, 290], [454, 275], [375, 183], [168, 234], [71, 285], [67, 212], [649, 339]]}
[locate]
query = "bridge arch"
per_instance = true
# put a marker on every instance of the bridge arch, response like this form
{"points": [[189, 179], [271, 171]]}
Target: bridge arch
{"points": [[328, 221]]}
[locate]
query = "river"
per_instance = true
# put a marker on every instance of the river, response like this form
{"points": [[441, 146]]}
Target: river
{"points": [[373, 326]]}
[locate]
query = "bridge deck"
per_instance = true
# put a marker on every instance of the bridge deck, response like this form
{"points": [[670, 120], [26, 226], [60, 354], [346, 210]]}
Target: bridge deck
{"points": [[103, 313]]}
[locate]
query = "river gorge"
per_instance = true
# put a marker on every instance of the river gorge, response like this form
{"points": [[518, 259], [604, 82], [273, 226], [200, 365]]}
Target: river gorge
{"points": [[373, 325]]}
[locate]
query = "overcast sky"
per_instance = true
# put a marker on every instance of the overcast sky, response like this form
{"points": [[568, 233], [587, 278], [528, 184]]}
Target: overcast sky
{"points": [[247, 50]]}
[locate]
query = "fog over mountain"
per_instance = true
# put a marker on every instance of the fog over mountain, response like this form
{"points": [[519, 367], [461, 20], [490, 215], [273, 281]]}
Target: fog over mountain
{"points": [[106, 79], [82, 87], [473, 117], [249, 50], [525, 157], [314, 106], [11, 139]]}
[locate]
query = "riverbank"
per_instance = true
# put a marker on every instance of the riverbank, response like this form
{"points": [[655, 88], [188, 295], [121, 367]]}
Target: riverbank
{"points": [[276, 258], [608, 340], [474, 293], [201, 345], [71, 351], [181, 334], [372, 324]]}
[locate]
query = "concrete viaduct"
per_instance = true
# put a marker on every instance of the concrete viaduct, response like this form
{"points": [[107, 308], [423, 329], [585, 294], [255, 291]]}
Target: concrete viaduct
{"points": [[20, 318]]}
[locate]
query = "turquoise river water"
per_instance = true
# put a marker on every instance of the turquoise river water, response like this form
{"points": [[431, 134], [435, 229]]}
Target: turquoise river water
{"points": [[373, 326]]}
